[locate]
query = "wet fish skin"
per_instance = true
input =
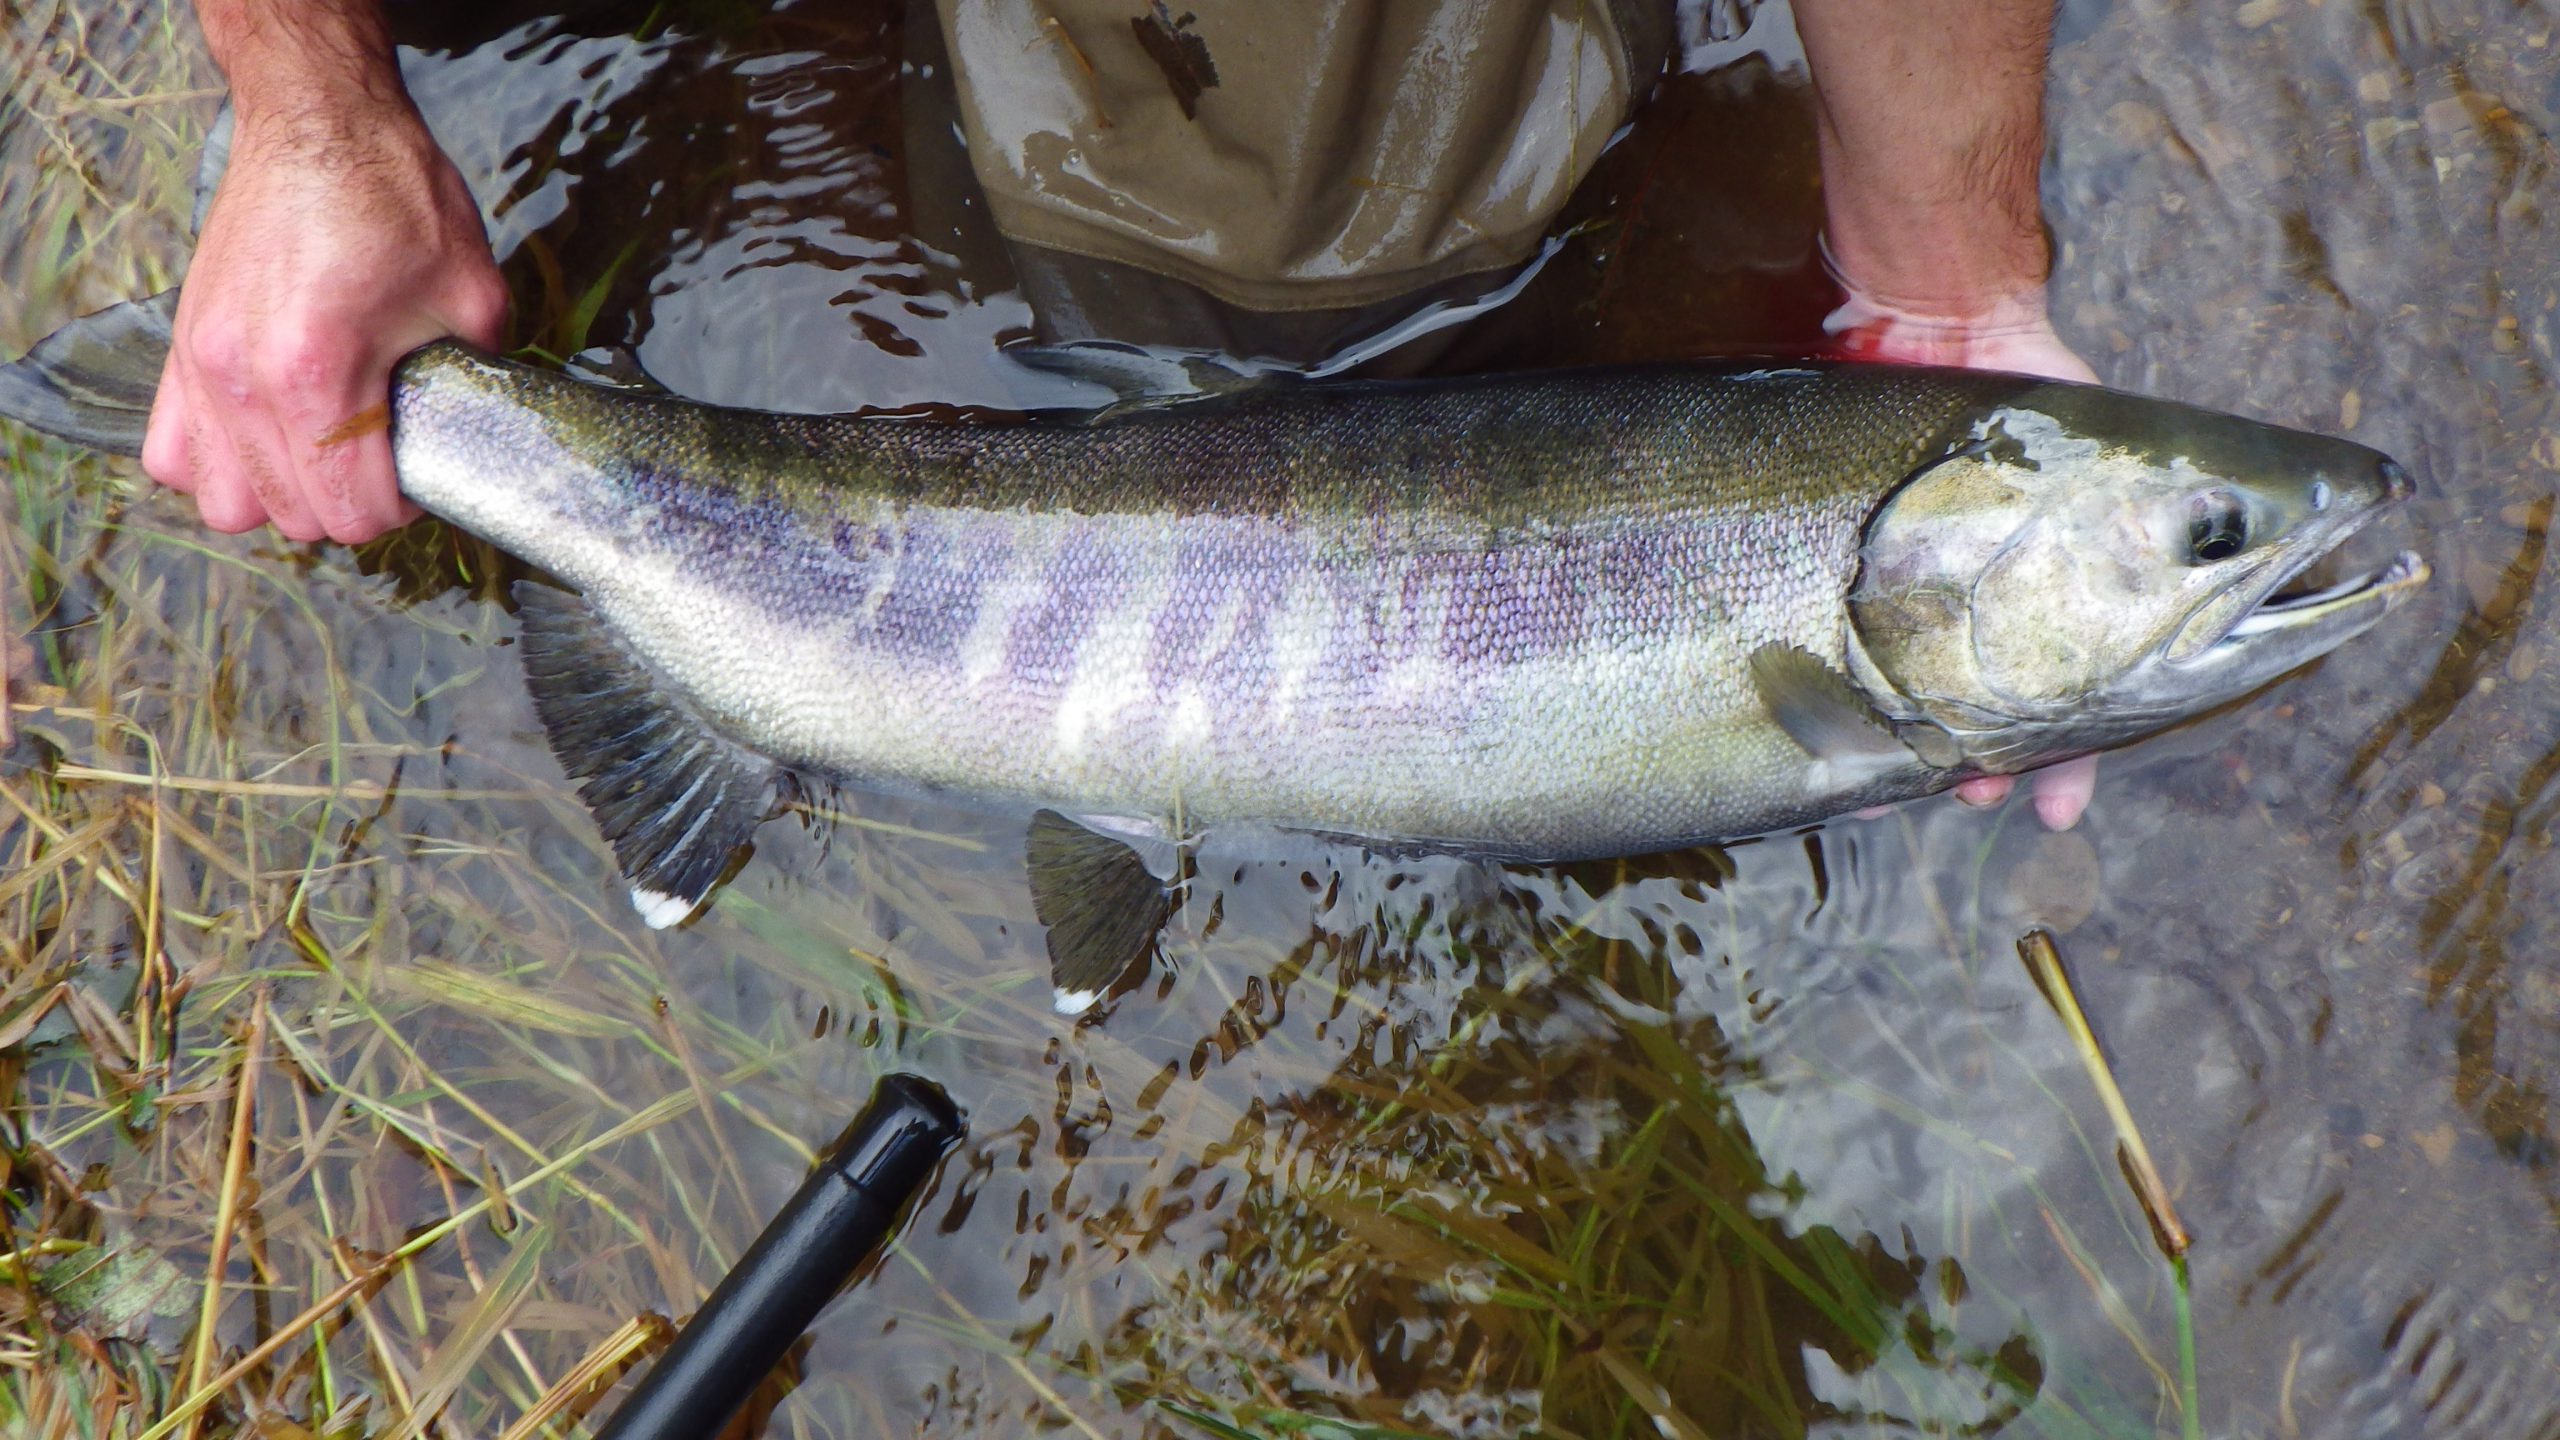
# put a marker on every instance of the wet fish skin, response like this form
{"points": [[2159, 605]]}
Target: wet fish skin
{"points": [[1510, 616]]}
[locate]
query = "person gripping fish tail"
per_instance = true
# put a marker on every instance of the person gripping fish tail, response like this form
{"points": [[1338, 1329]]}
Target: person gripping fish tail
{"points": [[340, 239], [270, 410]]}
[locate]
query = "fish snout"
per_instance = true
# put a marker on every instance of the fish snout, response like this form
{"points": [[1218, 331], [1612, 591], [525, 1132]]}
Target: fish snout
{"points": [[2396, 482]]}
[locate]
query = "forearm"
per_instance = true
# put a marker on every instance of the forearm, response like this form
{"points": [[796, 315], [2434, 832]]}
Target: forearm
{"points": [[1931, 126], [306, 61]]}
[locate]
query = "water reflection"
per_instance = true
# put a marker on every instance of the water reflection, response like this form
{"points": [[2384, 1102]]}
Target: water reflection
{"points": [[1485, 1150], [1774, 1140], [725, 185]]}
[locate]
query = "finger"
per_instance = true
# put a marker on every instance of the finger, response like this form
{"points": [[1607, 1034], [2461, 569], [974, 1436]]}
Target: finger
{"points": [[361, 484], [195, 447], [226, 503], [164, 442], [2063, 791], [2036, 351], [224, 498], [258, 446], [346, 469], [1984, 791], [477, 310]]}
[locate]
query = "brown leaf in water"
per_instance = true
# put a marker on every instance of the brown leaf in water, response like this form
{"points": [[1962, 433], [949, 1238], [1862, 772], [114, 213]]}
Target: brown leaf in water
{"points": [[370, 421]]}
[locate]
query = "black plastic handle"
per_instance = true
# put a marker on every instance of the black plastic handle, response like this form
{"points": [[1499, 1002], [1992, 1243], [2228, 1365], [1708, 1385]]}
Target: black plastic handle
{"points": [[830, 1225]]}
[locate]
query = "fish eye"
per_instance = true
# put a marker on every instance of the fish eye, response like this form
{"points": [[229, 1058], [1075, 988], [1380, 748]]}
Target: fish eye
{"points": [[2217, 527]]}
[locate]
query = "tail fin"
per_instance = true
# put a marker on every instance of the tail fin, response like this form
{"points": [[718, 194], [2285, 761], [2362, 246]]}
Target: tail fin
{"points": [[91, 382]]}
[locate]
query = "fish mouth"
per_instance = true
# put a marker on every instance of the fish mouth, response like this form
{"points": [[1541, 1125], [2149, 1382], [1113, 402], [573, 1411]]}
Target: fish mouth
{"points": [[2316, 621]]}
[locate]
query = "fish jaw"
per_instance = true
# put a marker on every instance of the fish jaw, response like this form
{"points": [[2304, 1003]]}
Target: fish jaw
{"points": [[2281, 635]]}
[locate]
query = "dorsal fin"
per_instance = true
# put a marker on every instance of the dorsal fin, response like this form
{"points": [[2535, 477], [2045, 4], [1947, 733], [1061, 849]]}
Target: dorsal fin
{"points": [[674, 799]]}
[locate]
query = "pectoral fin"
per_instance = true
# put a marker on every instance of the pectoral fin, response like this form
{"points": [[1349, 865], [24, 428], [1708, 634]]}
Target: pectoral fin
{"points": [[1102, 905], [674, 799], [1822, 712]]}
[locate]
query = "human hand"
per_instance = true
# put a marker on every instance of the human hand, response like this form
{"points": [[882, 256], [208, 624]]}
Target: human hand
{"points": [[2013, 335], [341, 239]]}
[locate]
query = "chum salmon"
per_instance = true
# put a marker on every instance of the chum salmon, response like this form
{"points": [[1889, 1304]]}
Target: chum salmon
{"points": [[1538, 616]]}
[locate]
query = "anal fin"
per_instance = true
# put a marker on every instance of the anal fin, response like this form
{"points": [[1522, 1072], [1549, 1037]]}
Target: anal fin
{"points": [[674, 799], [1102, 905]]}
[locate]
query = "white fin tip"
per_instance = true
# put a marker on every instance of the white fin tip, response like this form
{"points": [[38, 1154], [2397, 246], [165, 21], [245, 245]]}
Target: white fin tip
{"points": [[1073, 1002], [658, 911]]}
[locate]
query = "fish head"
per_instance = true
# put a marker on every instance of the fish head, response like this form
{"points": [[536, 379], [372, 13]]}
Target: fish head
{"points": [[2084, 567]]}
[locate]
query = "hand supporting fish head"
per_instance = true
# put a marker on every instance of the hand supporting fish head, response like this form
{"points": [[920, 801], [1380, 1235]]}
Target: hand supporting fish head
{"points": [[2085, 567]]}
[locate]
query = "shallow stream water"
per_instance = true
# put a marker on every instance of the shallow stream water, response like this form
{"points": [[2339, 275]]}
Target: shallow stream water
{"points": [[1773, 1140]]}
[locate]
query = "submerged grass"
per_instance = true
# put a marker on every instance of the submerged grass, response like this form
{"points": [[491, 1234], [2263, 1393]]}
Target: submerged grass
{"points": [[1663, 1250], [344, 1098], [214, 1012]]}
